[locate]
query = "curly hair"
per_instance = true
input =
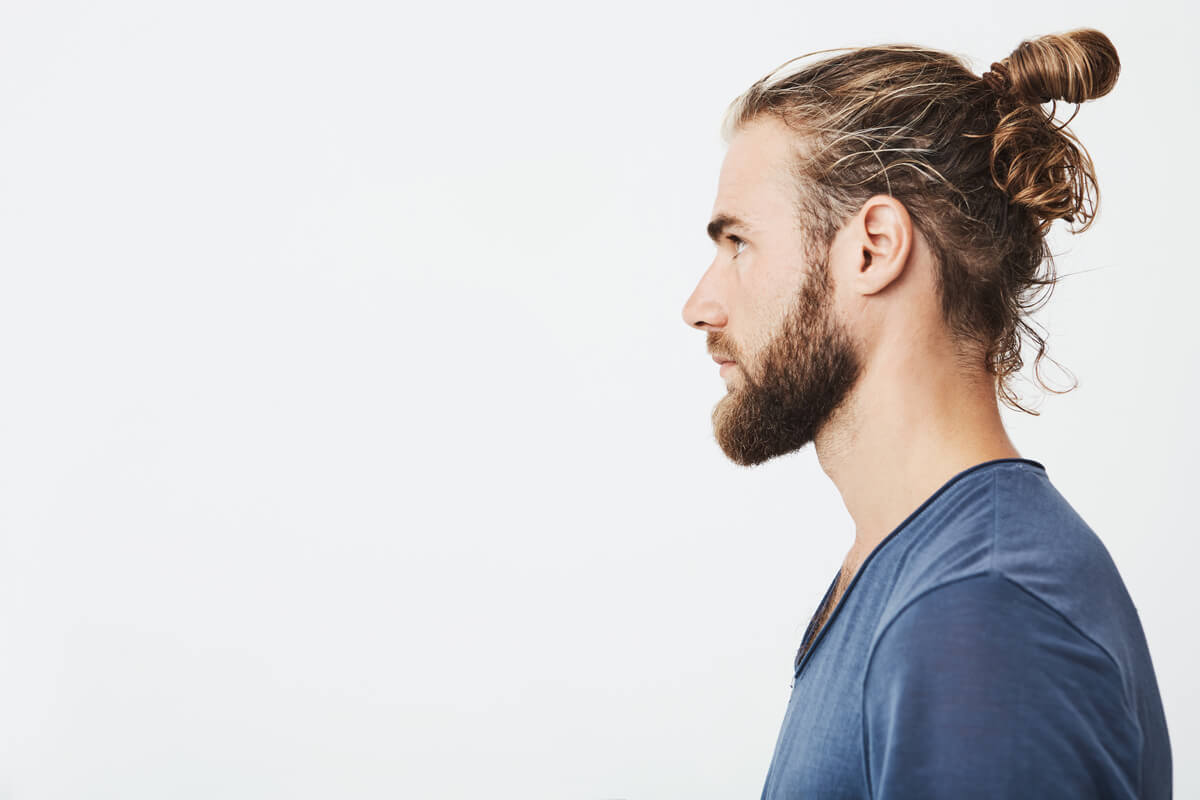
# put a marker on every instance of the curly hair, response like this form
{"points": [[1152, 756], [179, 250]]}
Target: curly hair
{"points": [[982, 167]]}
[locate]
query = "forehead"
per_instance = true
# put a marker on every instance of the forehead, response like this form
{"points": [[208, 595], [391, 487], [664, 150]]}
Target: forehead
{"points": [[755, 179]]}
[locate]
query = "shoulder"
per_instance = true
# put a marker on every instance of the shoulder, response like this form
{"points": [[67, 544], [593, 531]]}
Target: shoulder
{"points": [[978, 679], [1010, 519], [986, 612]]}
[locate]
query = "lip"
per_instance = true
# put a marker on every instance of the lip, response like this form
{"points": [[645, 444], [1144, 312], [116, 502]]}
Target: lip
{"points": [[726, 366], [720, 360]]}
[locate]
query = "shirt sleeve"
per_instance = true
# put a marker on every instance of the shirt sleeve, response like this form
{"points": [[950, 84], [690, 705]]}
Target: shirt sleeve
{"points": [[979, 689]]}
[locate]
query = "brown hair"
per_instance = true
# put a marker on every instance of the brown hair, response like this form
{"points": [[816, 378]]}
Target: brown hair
{"points": [[981, 166]]}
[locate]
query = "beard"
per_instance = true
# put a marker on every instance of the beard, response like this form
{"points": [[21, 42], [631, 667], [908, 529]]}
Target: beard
{"points": [[803, 375]]}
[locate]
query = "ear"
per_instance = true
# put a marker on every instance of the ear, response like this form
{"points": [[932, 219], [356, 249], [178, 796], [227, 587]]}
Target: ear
{"points": [[884, 237]]}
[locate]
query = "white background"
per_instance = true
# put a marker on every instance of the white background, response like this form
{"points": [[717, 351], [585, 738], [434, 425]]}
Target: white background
{"points": [[351, 440]]}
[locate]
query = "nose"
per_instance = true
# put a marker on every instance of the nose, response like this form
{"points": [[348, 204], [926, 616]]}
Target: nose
{"points": [[704, 308]]}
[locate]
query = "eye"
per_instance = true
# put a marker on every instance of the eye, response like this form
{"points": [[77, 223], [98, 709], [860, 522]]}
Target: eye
{"points": [[738, 244]]}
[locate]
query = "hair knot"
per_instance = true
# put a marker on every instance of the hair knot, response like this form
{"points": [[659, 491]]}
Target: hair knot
{"points": [[997, 78]]}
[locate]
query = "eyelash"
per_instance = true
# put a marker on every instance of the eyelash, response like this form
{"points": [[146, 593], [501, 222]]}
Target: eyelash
{"points": [[736, 241]]}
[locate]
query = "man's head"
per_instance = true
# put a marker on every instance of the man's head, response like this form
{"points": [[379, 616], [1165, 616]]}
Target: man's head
{"points": [[883, 190]]}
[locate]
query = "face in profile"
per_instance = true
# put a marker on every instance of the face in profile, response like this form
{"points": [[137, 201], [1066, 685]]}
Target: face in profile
{"points": [[768, 310], [784, 396]]}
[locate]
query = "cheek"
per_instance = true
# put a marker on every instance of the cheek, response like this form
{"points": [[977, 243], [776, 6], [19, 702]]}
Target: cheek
{"points": [[768, 298], [771, 311], [762, 325]]}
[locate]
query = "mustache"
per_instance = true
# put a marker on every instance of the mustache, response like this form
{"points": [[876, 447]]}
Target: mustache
{"points": [[718, 345]]}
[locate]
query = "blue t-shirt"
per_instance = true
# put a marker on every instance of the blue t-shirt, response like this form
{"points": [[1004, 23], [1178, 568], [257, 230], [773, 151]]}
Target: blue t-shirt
{"points": [[987, 648]]}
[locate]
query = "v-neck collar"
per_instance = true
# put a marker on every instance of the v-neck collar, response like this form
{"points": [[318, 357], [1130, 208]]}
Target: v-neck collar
{"points": [[802, 661], [802, 651]]}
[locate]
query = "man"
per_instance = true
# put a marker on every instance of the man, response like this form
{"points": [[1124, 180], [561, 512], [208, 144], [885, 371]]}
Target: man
{"points": [[880, 220]]}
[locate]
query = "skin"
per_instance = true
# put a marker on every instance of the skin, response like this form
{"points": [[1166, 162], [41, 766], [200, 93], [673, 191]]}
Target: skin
{"points": [[850, 352]]}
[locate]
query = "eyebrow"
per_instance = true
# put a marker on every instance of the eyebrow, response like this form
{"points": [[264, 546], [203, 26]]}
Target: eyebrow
{"points": [[722, 221]]}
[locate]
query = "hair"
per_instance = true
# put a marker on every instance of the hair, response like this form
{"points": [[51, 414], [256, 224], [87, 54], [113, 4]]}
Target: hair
{"points": [[982, 168]]}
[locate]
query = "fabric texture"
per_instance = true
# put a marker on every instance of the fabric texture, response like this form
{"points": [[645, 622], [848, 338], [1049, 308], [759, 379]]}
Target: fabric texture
{"points": [[987, 648]]}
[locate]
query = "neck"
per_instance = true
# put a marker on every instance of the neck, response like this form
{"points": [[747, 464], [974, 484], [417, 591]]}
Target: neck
{"points": [[910, 425]]}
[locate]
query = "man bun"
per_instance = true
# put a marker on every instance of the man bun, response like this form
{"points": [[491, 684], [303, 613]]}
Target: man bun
{"points": [[1075, 66], [1039, 164]]}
